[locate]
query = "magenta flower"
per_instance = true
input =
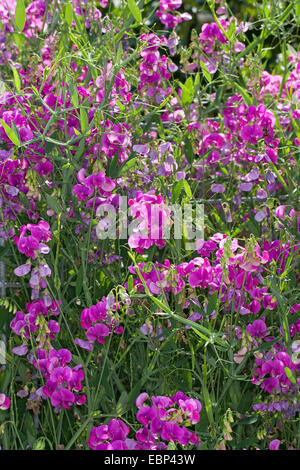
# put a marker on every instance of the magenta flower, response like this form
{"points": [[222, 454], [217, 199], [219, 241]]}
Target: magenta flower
{"points": [[109, 437], [63, 397], [98, 332], [4, 402], [151, 216], [61, 374], [258, 328], [279, 212], [141, 399], [274, 445]]}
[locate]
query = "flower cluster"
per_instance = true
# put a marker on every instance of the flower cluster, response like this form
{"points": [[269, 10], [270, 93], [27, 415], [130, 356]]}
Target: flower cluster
{"points": [[164, 421], [36, 320], [242, 267], [152, 219], [33, 247], [116, 139], [270, 372], [89, 184], [154, 68], [100, 321], [120, 90], [62, 383], [167, 15]]}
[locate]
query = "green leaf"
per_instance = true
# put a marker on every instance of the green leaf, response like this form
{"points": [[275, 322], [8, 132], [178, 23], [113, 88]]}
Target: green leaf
{"points": [[212, 303], [79, 282], [297, 10], [172, 445], [17, 81], [205, 338], [250, 420], [177, 190], [69, 14], [205, 71], [122, 403], [30, 429], [10, 133], [73, 92], [207, 399], [290, 375], [197, 81], [135, 11], [84, 121], [189, 85], [2, 88], [187, 189], [80, 150], [20, 15], [112, 170], [130, 283], [15, 130], [187, 92], [119, 53], [52, 204], [39, 444], [188, 151], [127, 165], [197, 308], [247, 98], [19, 39], [231, 30]]}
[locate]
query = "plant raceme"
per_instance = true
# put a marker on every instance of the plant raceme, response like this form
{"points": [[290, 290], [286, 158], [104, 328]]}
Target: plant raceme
{"points": [[164, 421]]}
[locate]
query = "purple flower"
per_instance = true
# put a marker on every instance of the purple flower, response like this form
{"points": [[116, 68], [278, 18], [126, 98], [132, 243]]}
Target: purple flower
{"points": [[141, 149], [279, 212], [217, 188], [22, 270], [62, 398], [274, 445], [20, 350], [252, 175], [260, 216], [98, 332], [258, 328], [87, 345], [180, 175], [246, 187], [261, 194], [116, 432], [141, 399]]}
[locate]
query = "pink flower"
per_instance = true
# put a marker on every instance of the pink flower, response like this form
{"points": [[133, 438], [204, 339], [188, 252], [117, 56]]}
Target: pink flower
{"points": [[274, 445], [98, 332], [4, 402], [279, 212], [63, 397]]}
